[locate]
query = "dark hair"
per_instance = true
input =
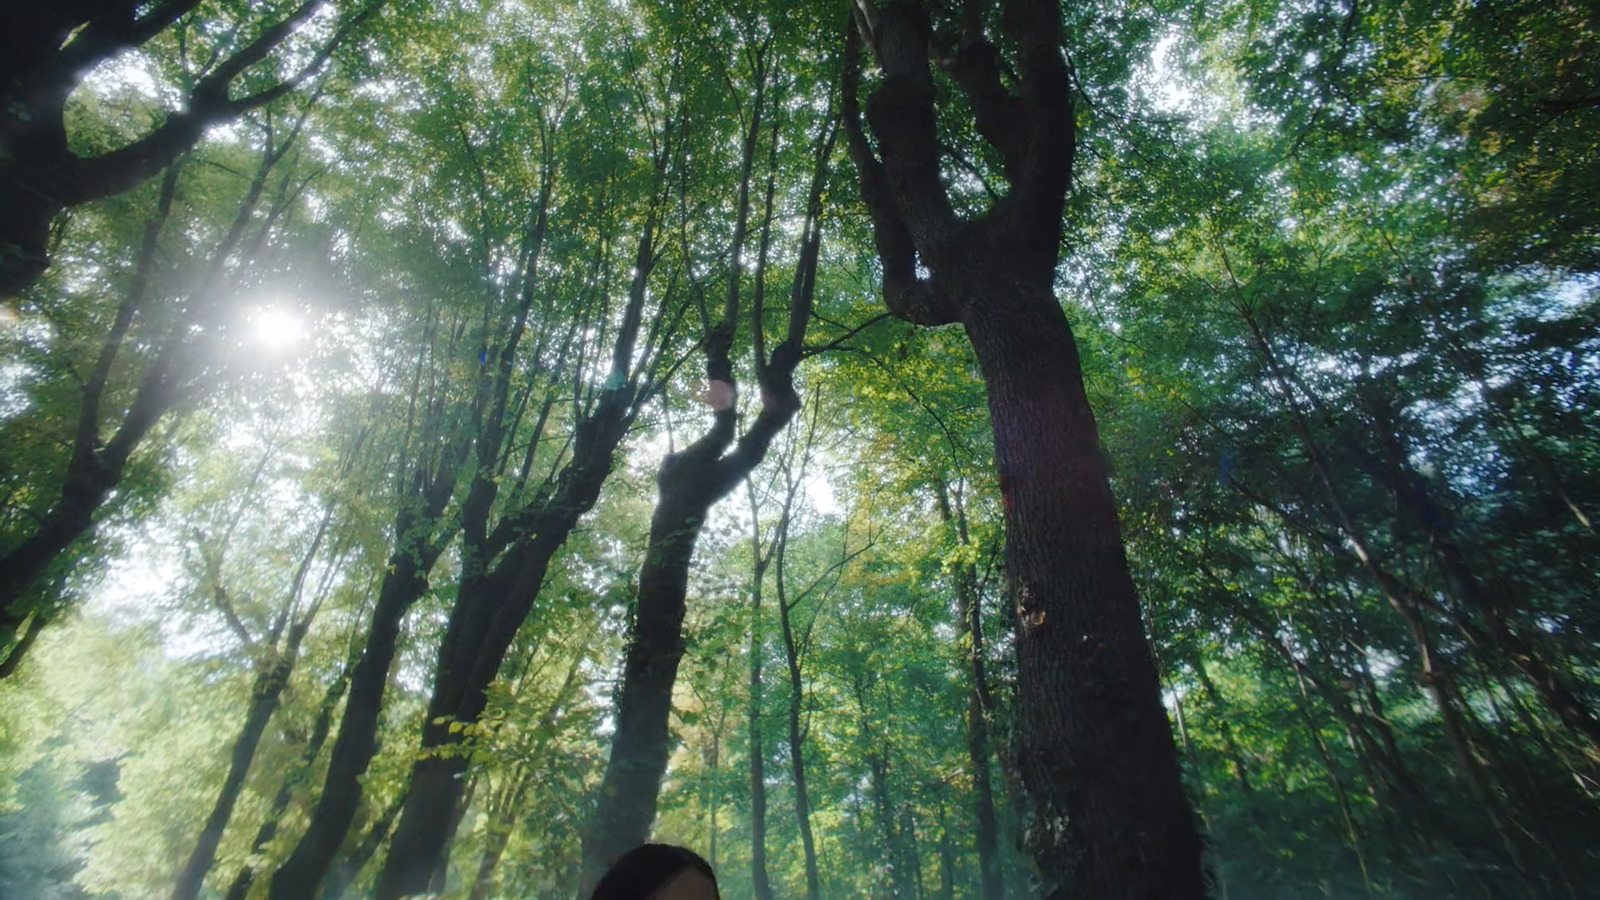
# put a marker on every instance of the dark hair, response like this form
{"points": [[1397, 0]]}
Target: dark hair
{"points": [[646, 869]]}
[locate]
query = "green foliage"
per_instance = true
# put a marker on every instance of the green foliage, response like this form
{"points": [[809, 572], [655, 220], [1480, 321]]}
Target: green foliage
{"points": [[1332, 268]]}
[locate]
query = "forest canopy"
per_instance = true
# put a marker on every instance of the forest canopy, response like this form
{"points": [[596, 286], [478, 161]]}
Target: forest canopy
{"points": [[895, 448]]}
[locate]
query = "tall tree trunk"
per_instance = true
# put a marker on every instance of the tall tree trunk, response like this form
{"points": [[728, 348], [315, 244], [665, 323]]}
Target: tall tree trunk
{"points": [[947, 859], [1095, 750], [95, 467], [92, 470], [690, 482], [265, 694], [1096, 756], [901, 885], [494, 601], [761, 883], [797, 750], [273, 671], [441, 869], [349, 868]]}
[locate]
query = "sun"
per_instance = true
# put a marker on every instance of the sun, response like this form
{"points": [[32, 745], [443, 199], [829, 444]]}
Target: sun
{"points": [[276, 327]]}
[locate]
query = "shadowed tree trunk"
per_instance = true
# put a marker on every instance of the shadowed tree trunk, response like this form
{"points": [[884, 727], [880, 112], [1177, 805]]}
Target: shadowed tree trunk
{"points": [[797, 750], [349, 868], [420, 537], [404, 582], [46, 49], [690, 482], [1109, 816]]}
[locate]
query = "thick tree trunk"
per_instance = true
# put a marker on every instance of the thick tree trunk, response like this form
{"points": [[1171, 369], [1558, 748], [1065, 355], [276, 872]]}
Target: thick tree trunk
{"points": [[265, 695], [1095, 752], [441, 869], [1109, 815], [460, 696], [86, 488]]}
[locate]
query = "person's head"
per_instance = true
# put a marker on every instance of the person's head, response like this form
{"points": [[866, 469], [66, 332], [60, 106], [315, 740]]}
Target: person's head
{"points": [[658, 872]]}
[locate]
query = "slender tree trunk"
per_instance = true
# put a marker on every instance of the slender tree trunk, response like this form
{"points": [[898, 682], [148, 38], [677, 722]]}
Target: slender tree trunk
{"points": [[265, 694], [969, 616], [1351, 830], [690, 482], [900, 877], [240, 888], [502, 823], [760, 882], [272, 676], [92, 471], [797, 754], [491, 607], [947, 859], [504, 810], [19, 650]]}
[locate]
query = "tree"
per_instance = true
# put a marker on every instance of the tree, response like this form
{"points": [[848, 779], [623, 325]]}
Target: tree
{"points": [[690, 481], [50, 50], [186, 363], [1109, 814], [507, 564]]}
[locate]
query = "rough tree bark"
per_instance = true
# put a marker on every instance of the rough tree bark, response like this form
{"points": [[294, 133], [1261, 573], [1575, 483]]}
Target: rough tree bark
{"points": [[690, 482], [1109, 817], [46, 49]]}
